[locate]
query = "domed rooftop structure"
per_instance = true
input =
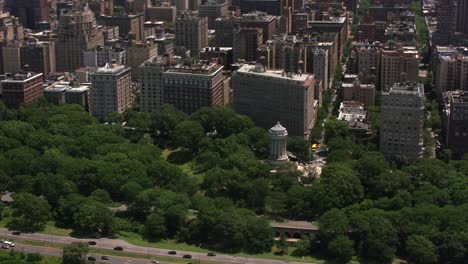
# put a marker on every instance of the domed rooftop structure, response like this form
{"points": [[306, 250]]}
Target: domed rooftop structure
{"points": [[279, 139], [278, 129]]}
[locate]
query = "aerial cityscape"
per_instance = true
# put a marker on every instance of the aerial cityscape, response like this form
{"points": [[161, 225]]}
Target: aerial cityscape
{"points": [[234, 131]]}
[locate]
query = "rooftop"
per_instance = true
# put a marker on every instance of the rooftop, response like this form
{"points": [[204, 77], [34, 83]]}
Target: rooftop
{"points": [[111, 69], [259, 70]]}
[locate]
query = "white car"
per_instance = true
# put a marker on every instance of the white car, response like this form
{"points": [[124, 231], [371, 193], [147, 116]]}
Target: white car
{"points": [[8, 243]]}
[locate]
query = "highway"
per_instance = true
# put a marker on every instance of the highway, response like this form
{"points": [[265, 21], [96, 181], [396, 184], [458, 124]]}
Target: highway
{"points": [[110, 244], [54, 252]]}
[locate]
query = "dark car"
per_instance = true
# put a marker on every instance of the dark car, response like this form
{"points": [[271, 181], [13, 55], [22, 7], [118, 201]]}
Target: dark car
{"points": [[188, 256], [105, 258], [16, 233], [172, 252], [92, 243], [118, 248], [211, 254], [91, 258]]}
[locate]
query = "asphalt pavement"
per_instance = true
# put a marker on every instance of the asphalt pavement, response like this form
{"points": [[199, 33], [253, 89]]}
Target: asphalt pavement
{"points": [[110, 244]]}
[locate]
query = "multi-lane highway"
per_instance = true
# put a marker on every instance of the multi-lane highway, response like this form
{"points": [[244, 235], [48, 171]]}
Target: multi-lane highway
{"points": [[110, 244]]}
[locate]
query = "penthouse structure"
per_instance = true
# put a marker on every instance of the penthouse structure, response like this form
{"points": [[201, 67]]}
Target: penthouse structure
{"points": [[269, 96], [402, 121], [130, 25]]}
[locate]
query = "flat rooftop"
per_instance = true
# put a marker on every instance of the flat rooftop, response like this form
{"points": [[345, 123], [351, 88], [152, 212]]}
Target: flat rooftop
{"points": [[278, 74]]}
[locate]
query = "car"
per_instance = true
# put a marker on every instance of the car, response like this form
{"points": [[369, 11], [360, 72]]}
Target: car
{"points": [[16, 233], [172, 252], [4, 246], [154, 261], [92, 243], [105, 258], [118, 248], [187, 256], [211, 254], [9, 243], [91, 258]]}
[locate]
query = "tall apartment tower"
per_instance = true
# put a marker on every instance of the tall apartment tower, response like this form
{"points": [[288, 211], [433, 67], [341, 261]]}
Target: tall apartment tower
{"points": [[455, 122], [38, 56], [213, 9], [269, 96], [446, 20], [189, 88], [451, 69], [398, 64], [30, 12], [402, 121], [22, 89], [77, 32], [462, 17], [151, 88], [11, 57], [246, 42], [129, 25], [191, 32], [110, 90]]}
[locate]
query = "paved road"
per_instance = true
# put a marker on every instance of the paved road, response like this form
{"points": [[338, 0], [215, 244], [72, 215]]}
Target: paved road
{"points": [[109, 244], [54, 252]]}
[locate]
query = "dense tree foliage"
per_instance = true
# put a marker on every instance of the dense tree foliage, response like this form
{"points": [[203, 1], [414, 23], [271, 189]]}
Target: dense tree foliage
{"points": [[75, 253], [210, 184], [13, 257]]}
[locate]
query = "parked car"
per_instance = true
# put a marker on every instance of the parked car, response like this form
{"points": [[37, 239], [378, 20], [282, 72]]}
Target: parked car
{"points": [[187, 256], [105, 258], [118, 248], [172, 252], [91, 258], [211, 254]]}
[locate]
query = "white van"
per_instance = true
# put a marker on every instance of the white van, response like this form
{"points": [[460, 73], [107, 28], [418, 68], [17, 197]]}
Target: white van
{"points": [[8, 243]]}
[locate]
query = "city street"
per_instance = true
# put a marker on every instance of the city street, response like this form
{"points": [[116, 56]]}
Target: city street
{"points": [[109, 244]]}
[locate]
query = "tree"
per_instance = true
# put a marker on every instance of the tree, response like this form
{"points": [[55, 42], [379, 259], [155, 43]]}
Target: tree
{"points": [[338, 187], [93, 218], [341, 249], [299, 147], [420, 250], [259, 235], [282, 245], [336, 128], [30, 213], [155, 227], [188, 134], [75, 253]]}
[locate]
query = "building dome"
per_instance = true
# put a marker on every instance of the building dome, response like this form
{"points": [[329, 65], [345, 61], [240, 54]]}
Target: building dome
{"points": [[279, 130]]}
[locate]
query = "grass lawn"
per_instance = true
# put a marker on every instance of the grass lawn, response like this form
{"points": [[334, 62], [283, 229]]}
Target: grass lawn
{"points": [[186, 164], [136, 239]]}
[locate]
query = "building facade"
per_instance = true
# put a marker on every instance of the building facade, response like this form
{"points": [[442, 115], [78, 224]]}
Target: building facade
{"points": [[398, 64], [455, 122], [110, 90], [402, 121], [269, 96], [21, 89], [191, 33]]}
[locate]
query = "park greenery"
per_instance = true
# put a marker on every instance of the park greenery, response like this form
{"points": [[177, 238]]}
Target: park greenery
{"points": [[14, 257], [66, 167]]}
